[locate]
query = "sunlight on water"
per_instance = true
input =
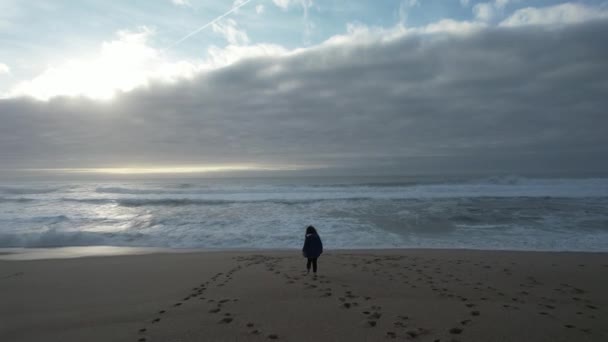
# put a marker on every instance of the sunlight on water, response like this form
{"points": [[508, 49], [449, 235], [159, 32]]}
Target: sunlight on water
{"points": [[74, 252], [494, 213], [176, 169]]}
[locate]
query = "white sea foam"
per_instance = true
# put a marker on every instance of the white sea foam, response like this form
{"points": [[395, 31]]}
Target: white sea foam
{"points": [[494, 213]]}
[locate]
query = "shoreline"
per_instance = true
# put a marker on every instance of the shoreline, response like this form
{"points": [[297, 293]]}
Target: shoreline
{"points": [[70, 252]]}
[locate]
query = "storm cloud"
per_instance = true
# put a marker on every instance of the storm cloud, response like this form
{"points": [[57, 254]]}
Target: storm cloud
{"points": [[518, 98]]}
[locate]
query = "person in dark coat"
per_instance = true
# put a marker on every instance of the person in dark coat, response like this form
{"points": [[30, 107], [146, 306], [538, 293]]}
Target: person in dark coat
{"points": [[313, 247]]}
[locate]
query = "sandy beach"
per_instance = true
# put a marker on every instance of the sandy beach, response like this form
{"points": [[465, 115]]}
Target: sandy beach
{"points": [[417, 295]]}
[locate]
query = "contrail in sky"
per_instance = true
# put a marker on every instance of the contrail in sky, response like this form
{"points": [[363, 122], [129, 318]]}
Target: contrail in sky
{"points": [[208, 24]]}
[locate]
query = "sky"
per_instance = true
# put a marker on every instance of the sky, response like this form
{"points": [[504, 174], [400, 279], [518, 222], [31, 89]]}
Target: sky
{"points": [[358, 87]]}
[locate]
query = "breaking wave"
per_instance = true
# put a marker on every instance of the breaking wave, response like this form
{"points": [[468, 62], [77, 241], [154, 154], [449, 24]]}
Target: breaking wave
{"points": [[496, 213], [130, 191], [16, 200], [173, 202], [26, 191], [57, 238]]}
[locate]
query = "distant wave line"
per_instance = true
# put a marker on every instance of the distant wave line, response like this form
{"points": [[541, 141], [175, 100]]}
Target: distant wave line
{"points": [[173, 202]]}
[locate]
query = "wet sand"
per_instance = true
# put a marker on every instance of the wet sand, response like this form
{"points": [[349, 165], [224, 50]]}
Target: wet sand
{"points": [[380, 295]]}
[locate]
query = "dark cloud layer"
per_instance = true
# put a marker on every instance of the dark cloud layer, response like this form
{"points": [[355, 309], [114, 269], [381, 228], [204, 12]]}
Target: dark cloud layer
{"points": [[514, 99]]}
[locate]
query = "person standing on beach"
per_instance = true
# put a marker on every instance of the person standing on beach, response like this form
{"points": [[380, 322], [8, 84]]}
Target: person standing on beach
{"points": [[313, 247]]}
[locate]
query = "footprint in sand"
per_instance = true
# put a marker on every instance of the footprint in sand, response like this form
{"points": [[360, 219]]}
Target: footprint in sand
{"points": [[455, 331], [17, 274], [417, 332], [226, 320], [375, 315]]}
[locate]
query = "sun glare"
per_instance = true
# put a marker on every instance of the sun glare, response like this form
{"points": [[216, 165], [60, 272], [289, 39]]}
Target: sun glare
{"points": [[174, 169], [121, 65]]}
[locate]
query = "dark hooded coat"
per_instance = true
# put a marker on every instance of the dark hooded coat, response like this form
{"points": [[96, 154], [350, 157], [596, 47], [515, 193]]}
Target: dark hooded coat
{"points": [[313, 247]]}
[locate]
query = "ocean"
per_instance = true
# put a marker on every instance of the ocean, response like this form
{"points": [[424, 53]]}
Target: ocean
{"points": [[514, 213]]}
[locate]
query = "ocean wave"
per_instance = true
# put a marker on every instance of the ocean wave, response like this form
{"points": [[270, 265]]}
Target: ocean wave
{"points": [[502, 180], [503, 186], [16, 200], [514, 180], [494, 223], [26, 191], [130, 191], [184, 201], [184, 185], [345, 198], [173, 202], [57, 238], [50, 219], [140, 202], [89, 200]]}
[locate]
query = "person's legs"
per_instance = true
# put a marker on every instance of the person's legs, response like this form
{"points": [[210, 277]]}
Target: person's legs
{"points": [[314, 265], [308, 262]]}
